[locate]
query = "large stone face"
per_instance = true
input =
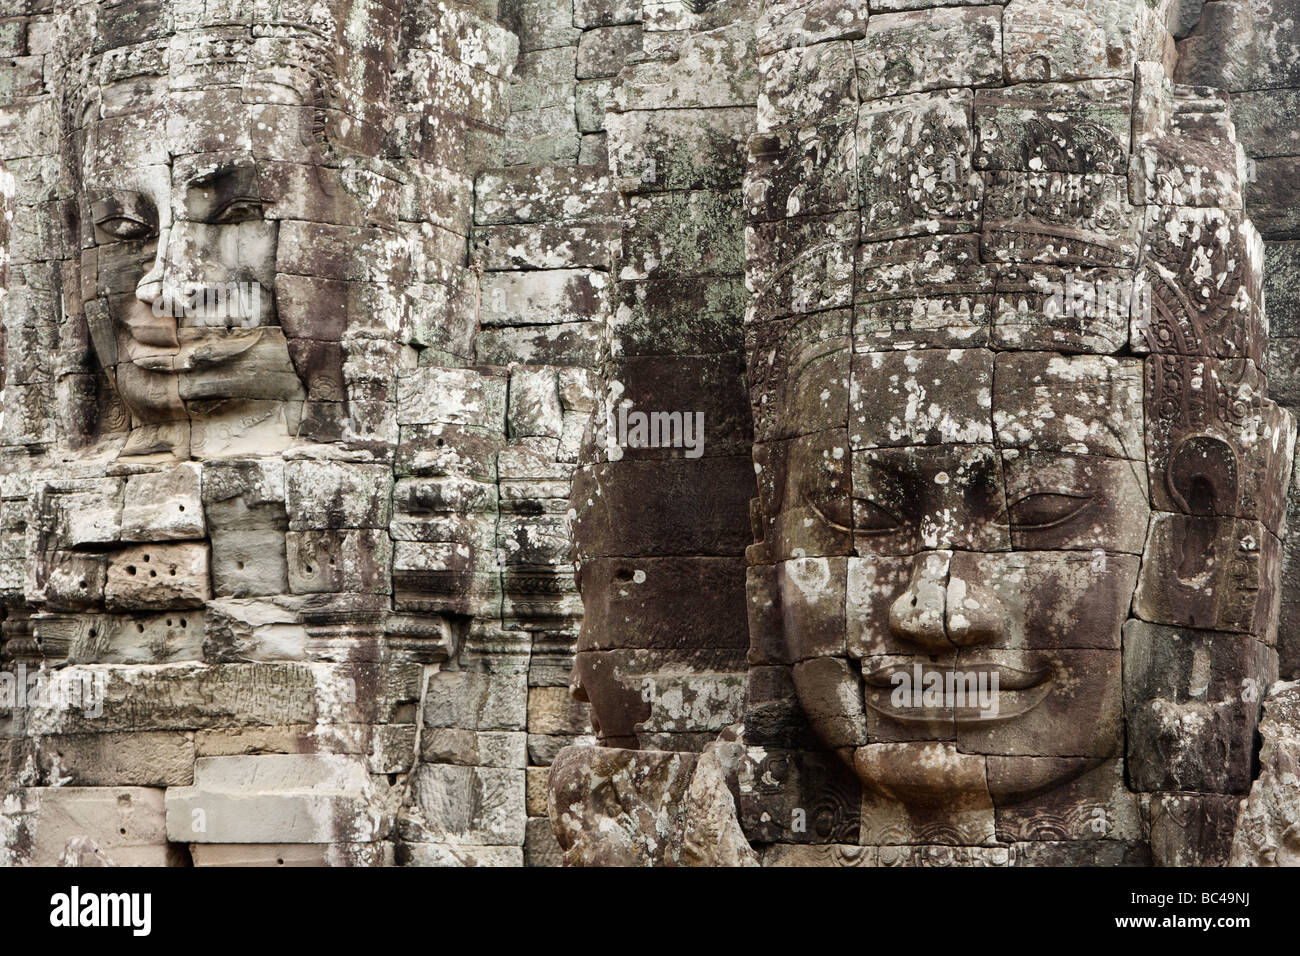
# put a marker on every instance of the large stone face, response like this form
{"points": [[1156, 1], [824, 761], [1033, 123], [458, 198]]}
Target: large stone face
{"points": [[676, 433]]}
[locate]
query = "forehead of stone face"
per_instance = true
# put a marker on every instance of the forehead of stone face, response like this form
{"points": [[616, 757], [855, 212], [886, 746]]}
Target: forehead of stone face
{"points": [[194, 123], [1079, 404], [921, 397], [213, 89]]}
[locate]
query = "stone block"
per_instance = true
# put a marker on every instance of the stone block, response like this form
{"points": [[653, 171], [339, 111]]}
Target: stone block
{"points": [[152, 577], [469, 806], [277, 798], [125, 824], [164, 506]]}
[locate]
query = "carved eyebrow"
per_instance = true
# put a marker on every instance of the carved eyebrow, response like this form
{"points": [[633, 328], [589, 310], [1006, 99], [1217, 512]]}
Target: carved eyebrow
{"points": [[887, 474], [810, 353], [222, 186], [123, 204], [243, 173]]}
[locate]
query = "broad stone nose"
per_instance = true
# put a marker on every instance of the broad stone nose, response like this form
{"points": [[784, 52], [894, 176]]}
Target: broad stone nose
{"points": [[192, 255], [578, 690], [918, 614], [150, 286]]}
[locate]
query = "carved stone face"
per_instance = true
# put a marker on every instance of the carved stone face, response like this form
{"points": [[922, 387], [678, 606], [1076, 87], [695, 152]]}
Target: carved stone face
{"points": [[1003, 559], [1020, 483], [179, 267], [979, 521]]}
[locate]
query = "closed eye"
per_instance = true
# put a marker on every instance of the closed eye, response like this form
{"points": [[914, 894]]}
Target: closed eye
{"points": [[243, 209], [125, 215], [1047, 509], [838, 525], [870, 518], [125, 227]]}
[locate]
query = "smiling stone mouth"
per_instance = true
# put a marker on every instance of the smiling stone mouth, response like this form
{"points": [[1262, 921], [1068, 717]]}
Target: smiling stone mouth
{"points": [[204, 347], [219, 323], [981, 693]]}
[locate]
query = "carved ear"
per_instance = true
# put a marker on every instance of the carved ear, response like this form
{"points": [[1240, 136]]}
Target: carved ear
{"points": [[1202, 476]]}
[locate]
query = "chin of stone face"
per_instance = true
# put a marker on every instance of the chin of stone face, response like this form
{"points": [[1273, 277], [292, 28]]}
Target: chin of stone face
{"points": [[698, 433]]}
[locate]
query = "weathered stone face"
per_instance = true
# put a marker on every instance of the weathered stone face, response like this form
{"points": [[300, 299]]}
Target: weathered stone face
{"points": [[258, 424], [1025, 442], [933, 548], [167, 340], [183, 256]]}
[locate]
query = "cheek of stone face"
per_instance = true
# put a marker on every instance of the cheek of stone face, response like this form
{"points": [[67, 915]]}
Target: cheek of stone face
{"points": [[826, 681], [1080, 713], [230, 271], [613, 686], [873, 585], [115, 268], [1043, 600], [812, 593], [140, 335]]}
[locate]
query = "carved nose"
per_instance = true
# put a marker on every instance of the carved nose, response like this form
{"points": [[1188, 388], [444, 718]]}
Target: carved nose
{"points": [[917, 615], [940, 610], [578, 691], [150, 286], [973, 613]]}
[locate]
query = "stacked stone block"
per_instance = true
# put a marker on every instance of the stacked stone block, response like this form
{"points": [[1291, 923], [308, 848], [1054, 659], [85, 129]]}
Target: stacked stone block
{"points": [[1000, 270], [320, 571], [660, 530]]}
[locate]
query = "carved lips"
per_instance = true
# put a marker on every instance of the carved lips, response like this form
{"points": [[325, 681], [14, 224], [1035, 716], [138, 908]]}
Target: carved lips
{"points": [[977, 693]]}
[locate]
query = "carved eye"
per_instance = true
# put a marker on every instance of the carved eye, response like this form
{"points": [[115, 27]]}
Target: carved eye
{"points": [[870, 518], [833, 511], [238, 210], [125, 227], [1043, 510], [125, 215]]}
